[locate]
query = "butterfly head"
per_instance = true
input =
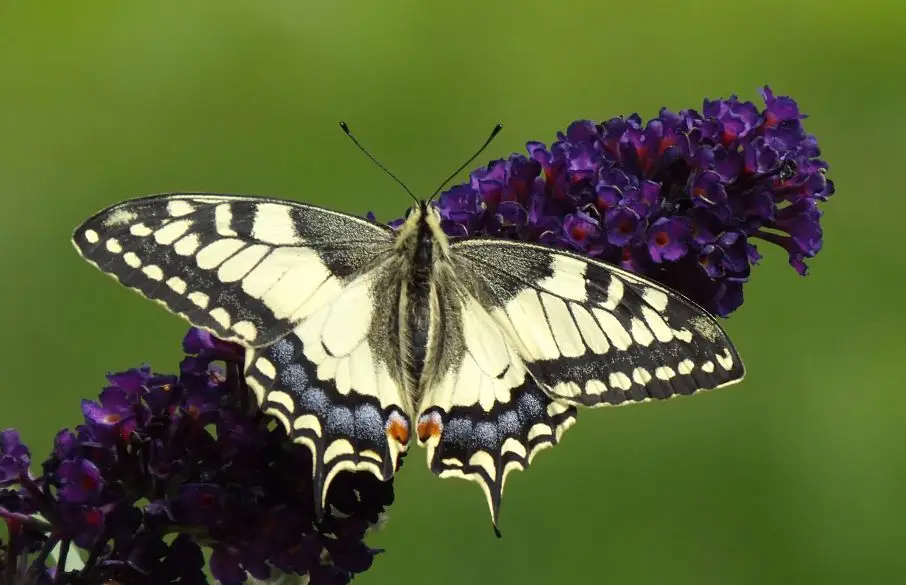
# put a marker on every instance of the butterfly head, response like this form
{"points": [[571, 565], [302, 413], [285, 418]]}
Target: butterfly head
{"points": [[420, 208], [421, 231], [422, 213]]}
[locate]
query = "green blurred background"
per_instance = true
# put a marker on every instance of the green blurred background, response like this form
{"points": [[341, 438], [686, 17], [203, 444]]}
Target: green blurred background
{"points": [[796, 476]]}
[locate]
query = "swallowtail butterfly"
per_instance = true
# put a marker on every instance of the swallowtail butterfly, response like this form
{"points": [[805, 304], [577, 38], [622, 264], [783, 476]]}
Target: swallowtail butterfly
{"points": [[361, 338]]}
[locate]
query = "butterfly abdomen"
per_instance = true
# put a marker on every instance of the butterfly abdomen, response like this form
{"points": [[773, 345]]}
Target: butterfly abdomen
{"points": [[418, 293]]}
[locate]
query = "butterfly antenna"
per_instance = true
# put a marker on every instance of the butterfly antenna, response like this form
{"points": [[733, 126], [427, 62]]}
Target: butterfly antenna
{"points": [[494, 133], [376, 161]]}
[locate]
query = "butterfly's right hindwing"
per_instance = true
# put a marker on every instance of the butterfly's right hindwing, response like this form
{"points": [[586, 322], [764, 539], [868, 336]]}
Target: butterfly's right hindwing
{"points": [[247, 269], [334, 383]]}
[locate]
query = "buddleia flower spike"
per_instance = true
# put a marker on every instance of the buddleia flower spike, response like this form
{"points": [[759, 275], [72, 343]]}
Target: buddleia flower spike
{"points": [[165, 466], [683, 198]]}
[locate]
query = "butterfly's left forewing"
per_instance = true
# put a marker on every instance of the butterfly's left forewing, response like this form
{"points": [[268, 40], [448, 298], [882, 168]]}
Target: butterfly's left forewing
{"points": [[592, 334]]}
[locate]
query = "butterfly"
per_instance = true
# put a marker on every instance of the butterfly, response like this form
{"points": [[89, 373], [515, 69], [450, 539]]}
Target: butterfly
{"points": [[362, 339]]}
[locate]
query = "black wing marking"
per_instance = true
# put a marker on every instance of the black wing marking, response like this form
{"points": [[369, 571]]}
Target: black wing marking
{"points": [[244, 268], [592, 334]]}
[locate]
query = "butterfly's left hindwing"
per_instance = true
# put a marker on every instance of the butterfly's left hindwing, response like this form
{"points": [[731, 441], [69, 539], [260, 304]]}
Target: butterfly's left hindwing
{"points": [[481, 415], [484, 445]]}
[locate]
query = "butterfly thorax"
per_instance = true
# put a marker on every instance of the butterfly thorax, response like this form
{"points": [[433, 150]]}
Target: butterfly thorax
{"points": [[424, 253]]}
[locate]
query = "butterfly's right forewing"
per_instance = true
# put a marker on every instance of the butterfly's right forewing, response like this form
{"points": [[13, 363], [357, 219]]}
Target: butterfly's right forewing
{"points": [[246, 269]]}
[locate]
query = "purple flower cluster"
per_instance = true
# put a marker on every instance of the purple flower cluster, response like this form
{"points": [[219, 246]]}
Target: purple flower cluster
{"points": [[678, 199], [185, 455]]}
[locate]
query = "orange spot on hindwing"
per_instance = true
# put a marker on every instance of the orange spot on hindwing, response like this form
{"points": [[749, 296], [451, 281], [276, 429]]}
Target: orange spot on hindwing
{"points": [[398, 428], [429, 426]]}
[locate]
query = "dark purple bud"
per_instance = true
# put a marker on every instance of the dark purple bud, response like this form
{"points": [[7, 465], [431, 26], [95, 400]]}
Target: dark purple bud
{"points": [[14, 457], [708, 189], [608, 196], [461, 204], [65, 444], [81, 481], [206, 346], [225, 566]]}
